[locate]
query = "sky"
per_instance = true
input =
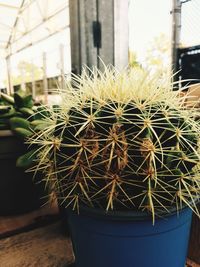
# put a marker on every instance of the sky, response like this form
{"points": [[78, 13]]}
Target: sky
{"points": [[147, 19]]}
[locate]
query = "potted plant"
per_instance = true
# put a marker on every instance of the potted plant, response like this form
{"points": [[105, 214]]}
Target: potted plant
{"points": [[121, 153], [18, 193]]}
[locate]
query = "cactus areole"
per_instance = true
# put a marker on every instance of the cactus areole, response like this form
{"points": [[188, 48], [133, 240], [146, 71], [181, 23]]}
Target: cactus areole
{"points": [[122, 141]]}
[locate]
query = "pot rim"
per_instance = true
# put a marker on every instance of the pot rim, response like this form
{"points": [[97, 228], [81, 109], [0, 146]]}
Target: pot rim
{"points": [[127, 215], [4, 133]]}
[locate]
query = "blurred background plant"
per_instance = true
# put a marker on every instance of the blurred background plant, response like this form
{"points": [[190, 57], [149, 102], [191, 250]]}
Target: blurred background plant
{"points": [[22, 117]]}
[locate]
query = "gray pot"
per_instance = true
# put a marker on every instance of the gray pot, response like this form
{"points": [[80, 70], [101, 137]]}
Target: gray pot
{"points": [[18, 192]]}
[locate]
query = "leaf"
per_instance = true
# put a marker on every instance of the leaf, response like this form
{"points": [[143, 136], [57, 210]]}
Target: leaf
{"points": [[27, 160], [26, 111], [10, 112], [28, 101], [19, 103], [4, 109], [39, 125], [7, 98], [4, 125], [17, 122], [21, 132]]}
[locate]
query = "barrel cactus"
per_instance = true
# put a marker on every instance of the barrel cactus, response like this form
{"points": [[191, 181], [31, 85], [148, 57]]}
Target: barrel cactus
{"points": [[122, 141]]}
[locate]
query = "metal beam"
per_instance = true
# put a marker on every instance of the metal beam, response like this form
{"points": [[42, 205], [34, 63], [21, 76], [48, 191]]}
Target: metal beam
{"points": [[9, 80], [26, 5], [176, 29], [15, 23], [38, 41], [45, 82], [9, 6], [39, 24]]}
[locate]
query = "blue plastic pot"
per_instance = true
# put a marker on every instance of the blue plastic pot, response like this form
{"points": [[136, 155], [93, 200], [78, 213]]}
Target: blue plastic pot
{"points": [[129, 240]]}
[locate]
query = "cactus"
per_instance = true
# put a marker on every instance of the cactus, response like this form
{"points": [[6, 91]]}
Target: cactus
{"points": [[122, 141], [14, 111], [19, 114]]}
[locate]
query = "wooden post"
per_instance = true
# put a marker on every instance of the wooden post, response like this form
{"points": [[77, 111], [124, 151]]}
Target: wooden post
{"points": [[99, 29], [9, 80], [106, 18], [45, 83], [33, 83], [176, 29], [62, 66], [194, 245], [74, 9], [23, 83]]}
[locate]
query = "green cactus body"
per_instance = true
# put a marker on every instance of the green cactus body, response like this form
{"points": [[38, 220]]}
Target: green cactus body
{"points": [[122, 141]]}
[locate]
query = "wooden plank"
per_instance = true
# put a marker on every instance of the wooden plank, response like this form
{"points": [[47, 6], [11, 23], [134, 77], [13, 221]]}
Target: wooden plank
{"points": [[83, 52], [194, 245], [192, 264], [113, 17], [75, 36], [107, 50], [10, 225], [88, 14]]}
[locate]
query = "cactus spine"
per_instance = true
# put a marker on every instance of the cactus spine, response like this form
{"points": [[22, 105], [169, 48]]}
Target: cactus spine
{"points": [[122, 141]]}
